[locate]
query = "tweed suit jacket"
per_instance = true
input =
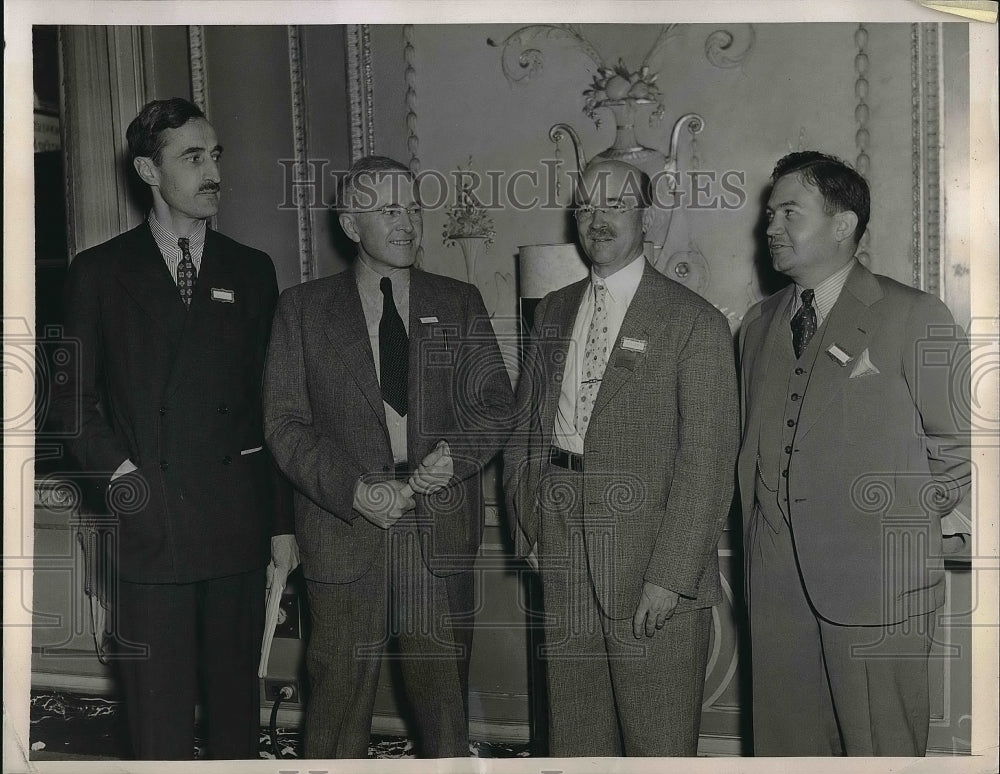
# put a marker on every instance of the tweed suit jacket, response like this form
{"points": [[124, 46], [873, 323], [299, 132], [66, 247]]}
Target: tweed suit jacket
{"points": [[660, 449], [177, 391], [325, 420], [878, 458]]}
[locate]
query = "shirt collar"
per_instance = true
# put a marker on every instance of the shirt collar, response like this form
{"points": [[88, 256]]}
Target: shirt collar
{"points": [[623, 283], [369, 280], [166, 239], [826, 292]]}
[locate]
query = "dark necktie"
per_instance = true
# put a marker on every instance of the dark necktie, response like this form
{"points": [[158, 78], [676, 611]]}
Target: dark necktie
{"points": [[185, 272], [393, 352], [804, 323]]}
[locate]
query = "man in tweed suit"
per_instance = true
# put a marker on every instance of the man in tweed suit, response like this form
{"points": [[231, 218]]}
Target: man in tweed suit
{"points": [[172, 321], [620, 476], [854, 462], [385, 394]]}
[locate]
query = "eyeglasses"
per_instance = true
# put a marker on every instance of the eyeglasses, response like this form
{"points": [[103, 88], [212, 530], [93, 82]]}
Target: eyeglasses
{"points": [[587, 211], [392, 211]]}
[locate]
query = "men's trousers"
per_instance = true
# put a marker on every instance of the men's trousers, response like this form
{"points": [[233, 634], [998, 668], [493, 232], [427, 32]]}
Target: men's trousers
{"points": [[173, 639], [820, 688], [430, 619], [609, 693]]}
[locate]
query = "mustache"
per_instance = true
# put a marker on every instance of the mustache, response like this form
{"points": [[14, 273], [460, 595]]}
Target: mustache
{"points": [[601, 232], [210, 188]]}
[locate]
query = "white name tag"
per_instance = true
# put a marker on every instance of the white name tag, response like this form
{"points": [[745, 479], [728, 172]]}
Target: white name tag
{"points": [[633, 345], [221, 294], [839, 355], [428, 320]]}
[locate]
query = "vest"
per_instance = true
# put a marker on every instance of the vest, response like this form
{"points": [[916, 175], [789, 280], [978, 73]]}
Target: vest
{"points": [[787, 381]]}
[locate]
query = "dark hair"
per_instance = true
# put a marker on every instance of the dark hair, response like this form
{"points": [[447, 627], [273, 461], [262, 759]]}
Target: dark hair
{"points": [[636, 182], [372, 166], [842, 187], [145, 133]]}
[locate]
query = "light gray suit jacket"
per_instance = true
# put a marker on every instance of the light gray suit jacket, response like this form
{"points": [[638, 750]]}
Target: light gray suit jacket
{"points": [[324, 418], [660, 449], [878, 458]]}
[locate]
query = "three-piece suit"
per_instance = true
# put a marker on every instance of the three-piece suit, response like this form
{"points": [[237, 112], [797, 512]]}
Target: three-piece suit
{"points": [[851, 455]]}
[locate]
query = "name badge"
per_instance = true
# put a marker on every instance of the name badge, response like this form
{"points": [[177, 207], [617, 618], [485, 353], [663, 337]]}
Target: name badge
{"points": [[633, 345], [428, 320], [221, 294], [838, 355]]}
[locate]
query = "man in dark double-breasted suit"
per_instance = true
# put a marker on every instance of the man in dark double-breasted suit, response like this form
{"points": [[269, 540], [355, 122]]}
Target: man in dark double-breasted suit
{"points": [[620, 476], [171, 322], [854, 475], [385, 394]]}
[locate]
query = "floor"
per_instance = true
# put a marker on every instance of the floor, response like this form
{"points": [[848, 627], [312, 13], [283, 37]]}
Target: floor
{"points": [[71, 726]]}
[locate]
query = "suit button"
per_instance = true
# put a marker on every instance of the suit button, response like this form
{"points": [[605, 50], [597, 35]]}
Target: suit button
{"points": [[163, 411], [164, 464], [223, 408], [784, 474], [227, 460], [788, 450], [791, 423], [795, 396], [799, 371]]}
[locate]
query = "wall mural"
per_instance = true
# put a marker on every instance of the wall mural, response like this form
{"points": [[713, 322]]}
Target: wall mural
{"points": [[627, 94]]}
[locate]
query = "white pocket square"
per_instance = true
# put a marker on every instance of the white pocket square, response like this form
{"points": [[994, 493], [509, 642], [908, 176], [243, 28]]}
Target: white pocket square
{"points": [[864, 366], [254, 450]]}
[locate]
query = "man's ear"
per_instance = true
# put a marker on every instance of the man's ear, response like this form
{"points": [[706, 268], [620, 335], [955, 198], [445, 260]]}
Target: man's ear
{"points": [[647, 219], [348, 222], [147, 170], [846, 222]]}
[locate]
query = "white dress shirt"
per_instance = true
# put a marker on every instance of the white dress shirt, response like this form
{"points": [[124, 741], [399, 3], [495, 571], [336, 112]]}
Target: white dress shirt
{"points": [[371, 302], [621, 290]]}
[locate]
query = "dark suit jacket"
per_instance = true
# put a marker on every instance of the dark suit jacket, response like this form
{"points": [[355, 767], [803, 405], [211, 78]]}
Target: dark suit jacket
{"points": [[177, 391], [661, 446], [325, 421], [878, 459]]}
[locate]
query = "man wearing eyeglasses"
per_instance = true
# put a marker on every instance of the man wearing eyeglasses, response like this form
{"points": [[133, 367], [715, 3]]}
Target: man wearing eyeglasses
{"points": [[620, 475], [385, 394]]}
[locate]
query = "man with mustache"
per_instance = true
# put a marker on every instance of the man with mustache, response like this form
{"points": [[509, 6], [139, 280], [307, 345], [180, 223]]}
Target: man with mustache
{"points": [[385, 394], [854, 464], [620, 476], [172, 320]]}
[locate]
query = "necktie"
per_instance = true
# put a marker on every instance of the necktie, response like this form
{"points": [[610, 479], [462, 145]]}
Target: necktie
{"points": [[185, 272], [804, 323], [394, 351], [595, 359]]}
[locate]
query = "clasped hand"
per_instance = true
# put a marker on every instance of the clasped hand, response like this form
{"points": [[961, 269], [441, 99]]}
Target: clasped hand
{"points": [[385, 502]]}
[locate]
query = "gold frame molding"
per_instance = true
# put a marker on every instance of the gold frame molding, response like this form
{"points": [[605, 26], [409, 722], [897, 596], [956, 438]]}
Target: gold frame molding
{"points": [[300, 150], [360, 90], [925, 95]]}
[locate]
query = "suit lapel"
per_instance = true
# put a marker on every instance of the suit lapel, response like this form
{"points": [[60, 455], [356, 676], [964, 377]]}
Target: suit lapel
{"points": [[643, 321], [343, 321], [850, 325], [768, 332], [560, 315], [147, 280]]}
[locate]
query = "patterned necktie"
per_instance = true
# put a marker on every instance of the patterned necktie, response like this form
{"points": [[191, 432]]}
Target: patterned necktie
{"points": [[186, 275], [595, 359], [393, 352], [804, 323]]}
